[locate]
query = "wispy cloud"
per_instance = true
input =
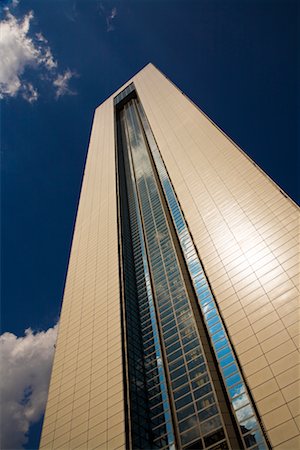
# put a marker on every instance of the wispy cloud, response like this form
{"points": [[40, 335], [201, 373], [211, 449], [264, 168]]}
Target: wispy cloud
{"points": [[113, 13], [110, 18], [41, 38], [62, 83], [71, 13], [24, 378], [29, 93], [109, 14], [20, 50]]}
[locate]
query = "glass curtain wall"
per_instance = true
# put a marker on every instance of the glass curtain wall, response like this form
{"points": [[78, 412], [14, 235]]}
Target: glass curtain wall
{"points": [[149, 410], [176, 397]]}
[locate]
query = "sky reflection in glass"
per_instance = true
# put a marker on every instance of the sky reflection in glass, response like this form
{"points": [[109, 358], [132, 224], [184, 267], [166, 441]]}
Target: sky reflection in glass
{"points": [[178, 326], [218, 338]]}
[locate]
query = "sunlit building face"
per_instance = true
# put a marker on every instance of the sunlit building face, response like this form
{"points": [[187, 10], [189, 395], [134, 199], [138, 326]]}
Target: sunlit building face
{"points": [[168, 333]]}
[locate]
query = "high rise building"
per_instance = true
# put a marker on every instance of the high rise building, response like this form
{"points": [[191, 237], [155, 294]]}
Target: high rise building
{"points": [[179, 320]]}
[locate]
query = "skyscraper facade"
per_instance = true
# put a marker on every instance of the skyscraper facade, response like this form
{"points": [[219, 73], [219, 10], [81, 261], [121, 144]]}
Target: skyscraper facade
{"points": [[179, 325]]}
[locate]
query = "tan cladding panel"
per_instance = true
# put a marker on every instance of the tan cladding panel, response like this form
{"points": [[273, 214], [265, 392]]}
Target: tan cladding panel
{"points": [[85, 408], [246, 233]]}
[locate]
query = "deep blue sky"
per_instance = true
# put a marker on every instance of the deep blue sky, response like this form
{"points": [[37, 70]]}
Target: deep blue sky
{"points": [[235, 59]]}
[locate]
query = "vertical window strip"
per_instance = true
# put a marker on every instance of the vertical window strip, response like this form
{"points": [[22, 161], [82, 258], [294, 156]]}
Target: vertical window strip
{"points": [[152, 210], [135, 305], [157, 346], [130, 88], [249, 426]]}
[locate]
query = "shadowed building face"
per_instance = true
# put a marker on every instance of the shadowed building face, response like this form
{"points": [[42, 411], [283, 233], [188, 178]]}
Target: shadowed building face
{"points": [[176, 329]]}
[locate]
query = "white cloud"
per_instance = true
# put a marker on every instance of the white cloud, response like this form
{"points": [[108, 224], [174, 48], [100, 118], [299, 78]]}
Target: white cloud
{"points": [[30, 93], [20, 49], [61, 83], [41, 38], [16, 52], [24, 378], [48, 60]]}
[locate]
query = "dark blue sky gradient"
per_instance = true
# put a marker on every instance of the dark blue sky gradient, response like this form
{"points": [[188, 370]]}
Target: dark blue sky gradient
{"points": [[235, 59]]}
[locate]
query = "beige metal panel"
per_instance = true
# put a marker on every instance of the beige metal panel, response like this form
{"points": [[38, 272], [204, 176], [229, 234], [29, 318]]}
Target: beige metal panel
{"points": [[246, 233], [85, 408]]}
